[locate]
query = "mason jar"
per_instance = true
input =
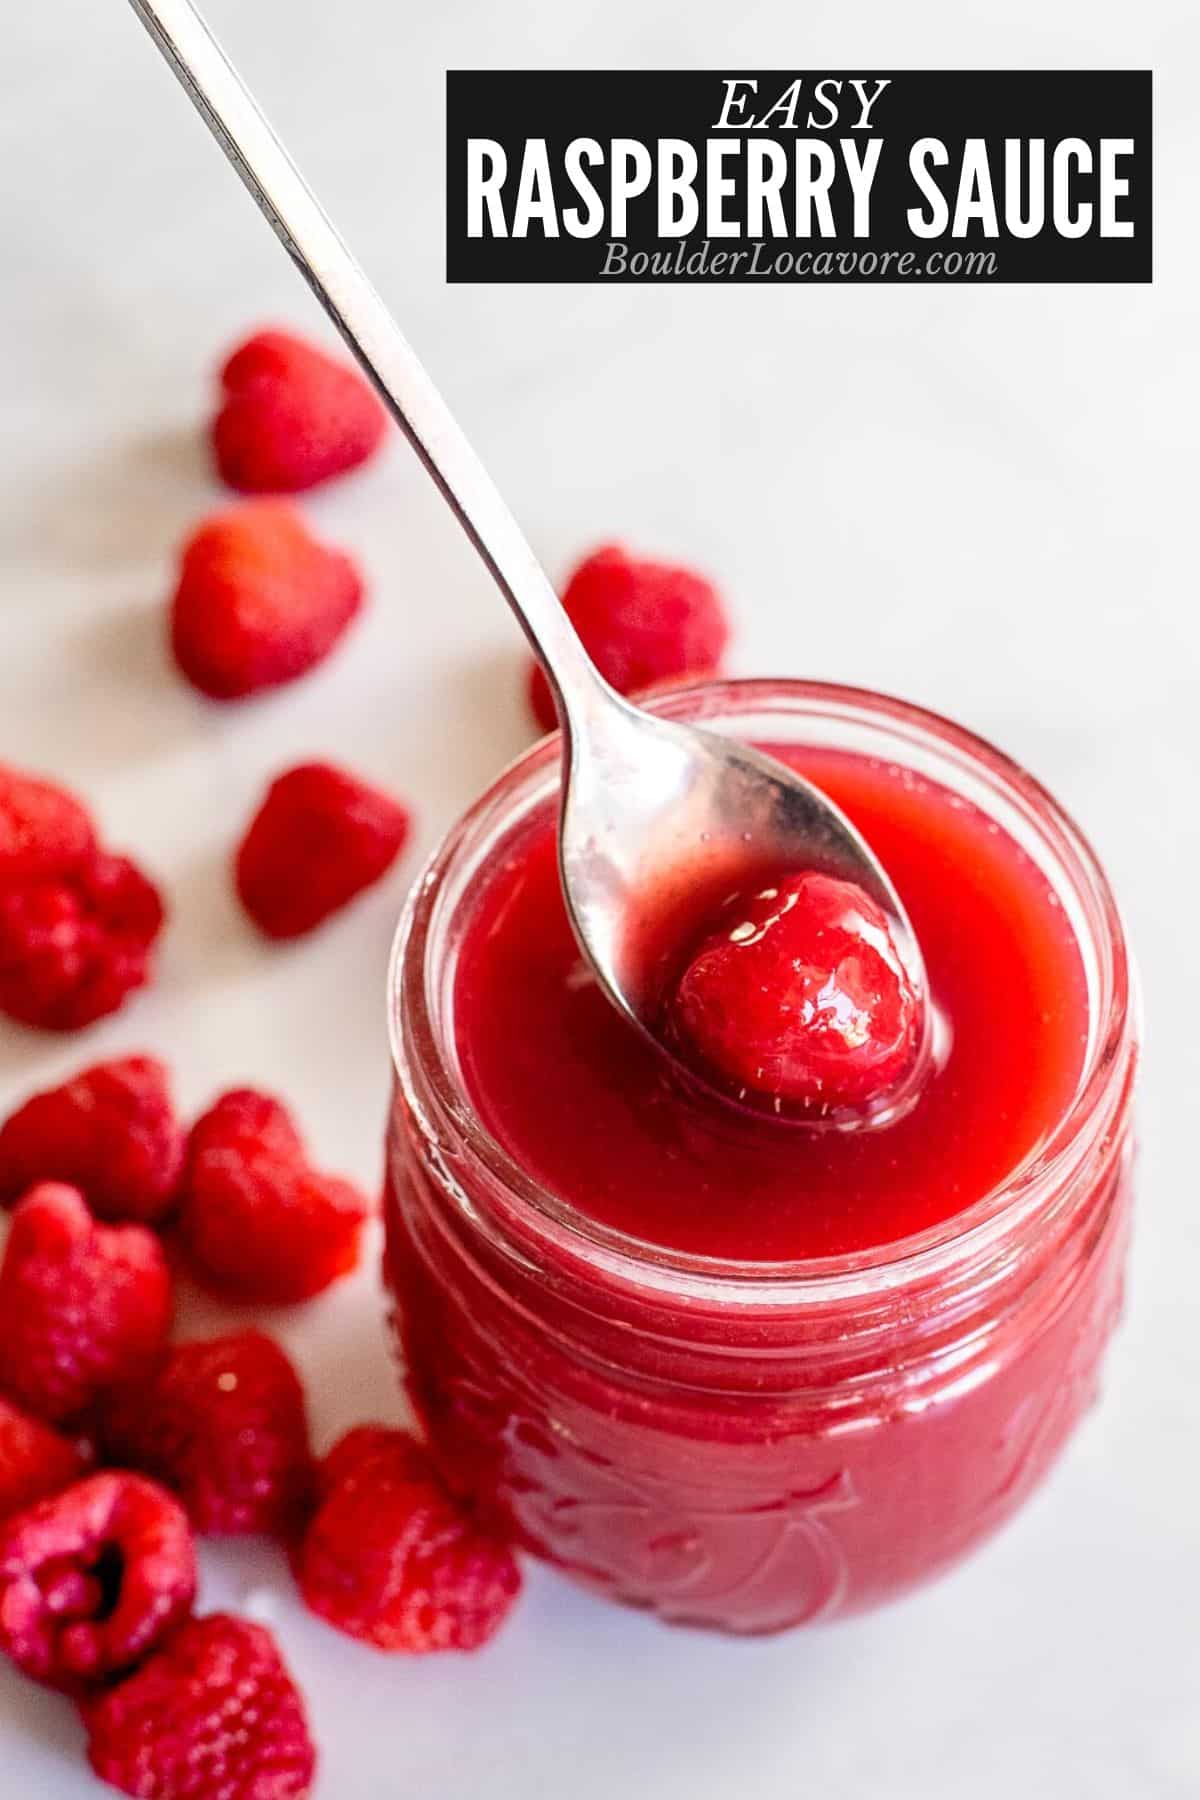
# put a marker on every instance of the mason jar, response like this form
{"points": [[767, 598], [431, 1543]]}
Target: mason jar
{"points": [[740, 1445]]}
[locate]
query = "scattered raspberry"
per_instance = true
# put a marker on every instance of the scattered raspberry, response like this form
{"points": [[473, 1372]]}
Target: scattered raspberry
{"points": [[110, 1131], [34, 1460], [93, 1578], [259, 601], [799, 994], [292, 416], [641, 623], [260, 1224], [319, 838], [76, 924], [44, 831], [393, 1559], [223, 1425], [83, 1306], [215, 1715], [73, 946]]}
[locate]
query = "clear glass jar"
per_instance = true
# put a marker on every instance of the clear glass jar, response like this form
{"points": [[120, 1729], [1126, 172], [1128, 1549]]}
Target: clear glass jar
{"points": [[751, 1446]]}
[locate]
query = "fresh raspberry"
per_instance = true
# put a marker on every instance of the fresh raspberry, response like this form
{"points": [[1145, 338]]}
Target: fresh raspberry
{"points": [[392, 1558], [34, 1460], [110, 1131], [799, 994], [215, 1715], [319, 838], [258, 1221], [292, 416], [93, 1578], [83, 1306], [260, 601], [44, 831], [73, 946], [641, 623], [223, 1425]]}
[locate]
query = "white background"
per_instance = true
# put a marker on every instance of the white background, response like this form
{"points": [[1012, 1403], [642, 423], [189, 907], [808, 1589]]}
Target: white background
{"points": [[982, 498]]}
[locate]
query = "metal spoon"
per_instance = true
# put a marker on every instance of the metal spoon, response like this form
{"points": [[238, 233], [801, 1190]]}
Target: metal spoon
{"points": [[650, 807]]}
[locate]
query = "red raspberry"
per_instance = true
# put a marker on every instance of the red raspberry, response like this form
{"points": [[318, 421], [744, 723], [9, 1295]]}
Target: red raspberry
{"points": [[110, 1131], [215, 1715], [260, 601], [641, 623], [319, 838], [392, 1558], [799, 994], [93, 1578], [82, 1306], [292, 416], [34, 1460], [223, 1425], [259, 1223], [44, 831], [73, 946]]}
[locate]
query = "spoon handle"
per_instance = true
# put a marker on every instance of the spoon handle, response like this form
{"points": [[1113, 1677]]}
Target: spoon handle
{"points": [[307, 234]]}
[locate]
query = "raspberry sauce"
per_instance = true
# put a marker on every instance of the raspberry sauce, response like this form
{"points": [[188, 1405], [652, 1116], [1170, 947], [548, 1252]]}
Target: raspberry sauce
{"points": [[573, 1094]]}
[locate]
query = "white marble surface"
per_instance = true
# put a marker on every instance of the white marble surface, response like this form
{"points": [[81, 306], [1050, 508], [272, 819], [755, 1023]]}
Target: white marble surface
{"points": [[984, 499]]}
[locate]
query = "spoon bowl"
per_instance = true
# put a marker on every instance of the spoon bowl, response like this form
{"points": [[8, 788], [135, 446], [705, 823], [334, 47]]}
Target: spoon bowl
{"points": [[660, 820]]}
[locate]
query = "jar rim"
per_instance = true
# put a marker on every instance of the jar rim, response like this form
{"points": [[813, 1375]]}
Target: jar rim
{"points": [[1103, 1086]]}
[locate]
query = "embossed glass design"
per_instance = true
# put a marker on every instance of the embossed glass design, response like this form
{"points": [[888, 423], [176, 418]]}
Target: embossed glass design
{"points": [[738, 1445]]}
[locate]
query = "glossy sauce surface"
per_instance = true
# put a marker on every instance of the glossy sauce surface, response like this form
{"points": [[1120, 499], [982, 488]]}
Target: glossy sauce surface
{"points": [[576, 1098]]}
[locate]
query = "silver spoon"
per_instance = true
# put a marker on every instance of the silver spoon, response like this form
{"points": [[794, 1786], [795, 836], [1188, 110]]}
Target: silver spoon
{"points": [[650, 807]]}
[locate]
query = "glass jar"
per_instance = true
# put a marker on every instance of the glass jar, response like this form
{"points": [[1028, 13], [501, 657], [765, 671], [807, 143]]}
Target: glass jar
{"points": [[739, 1445]]}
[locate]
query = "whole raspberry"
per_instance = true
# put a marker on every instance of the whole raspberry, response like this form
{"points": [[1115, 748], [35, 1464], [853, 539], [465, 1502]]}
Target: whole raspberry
{"points": [[291, 416], [44, 831], [259, 601], [319, 838], [392, 1558], [799, 994], [34, 1460], [110, 1131], [223, 1425], [93, 1578], [214, 1715], [641, 623], [83, 1306], [258, 1222], [72, 946]]}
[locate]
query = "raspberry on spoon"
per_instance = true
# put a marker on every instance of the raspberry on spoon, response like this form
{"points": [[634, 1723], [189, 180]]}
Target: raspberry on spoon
{"points": [[799, 995]]}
